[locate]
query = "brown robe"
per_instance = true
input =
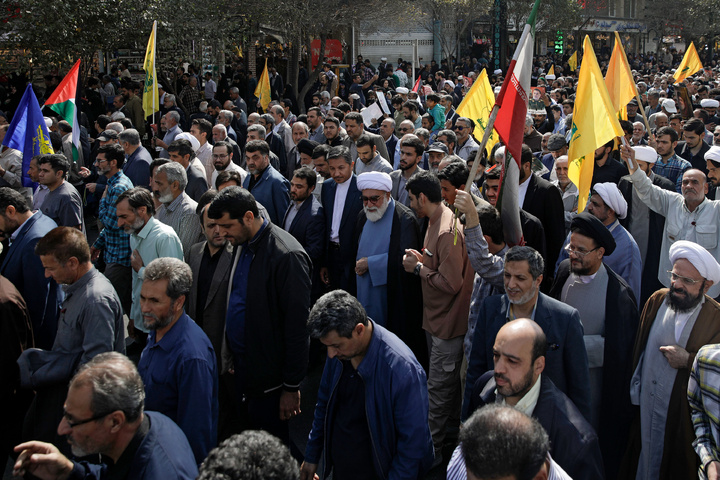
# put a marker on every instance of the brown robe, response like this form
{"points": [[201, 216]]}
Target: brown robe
{"points": [[679, 458]]}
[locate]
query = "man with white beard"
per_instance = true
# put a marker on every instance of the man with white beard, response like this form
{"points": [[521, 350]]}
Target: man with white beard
{"points": [[387, 292]]}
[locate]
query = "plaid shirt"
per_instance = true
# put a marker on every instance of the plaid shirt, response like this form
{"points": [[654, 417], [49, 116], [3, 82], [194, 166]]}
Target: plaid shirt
{"points": [[704, 400], [673, 170], [112, 238], [189, 97]]}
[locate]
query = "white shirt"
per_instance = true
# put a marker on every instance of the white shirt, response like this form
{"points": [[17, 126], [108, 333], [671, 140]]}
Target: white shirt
{"points": [[232, 167], [522, 190], [340, 195]]}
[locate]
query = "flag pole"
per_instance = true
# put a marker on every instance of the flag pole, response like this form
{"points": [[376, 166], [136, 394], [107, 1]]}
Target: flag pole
{"points": [[637, 94], [155, 72], [478, 154]]}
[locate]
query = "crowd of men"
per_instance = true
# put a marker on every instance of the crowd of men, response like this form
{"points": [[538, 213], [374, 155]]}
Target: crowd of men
{"points": [[171, 286]]}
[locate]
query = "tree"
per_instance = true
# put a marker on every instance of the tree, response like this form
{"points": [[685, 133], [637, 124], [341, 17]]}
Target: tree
{"points": [[553, 15]]}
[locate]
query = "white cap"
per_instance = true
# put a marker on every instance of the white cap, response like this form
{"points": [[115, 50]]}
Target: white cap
{"points": [[669, 105], [646, 154]]}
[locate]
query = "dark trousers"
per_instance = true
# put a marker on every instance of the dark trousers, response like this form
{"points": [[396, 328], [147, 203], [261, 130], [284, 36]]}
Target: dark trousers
{"points": [[120, 277]]}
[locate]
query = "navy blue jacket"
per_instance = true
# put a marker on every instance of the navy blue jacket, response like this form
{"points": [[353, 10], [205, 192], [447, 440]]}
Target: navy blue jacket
{"points": [[137, 167], [353, 206], [163, 453], [573, 442], [25, 270], [308, 228], [396, 404], [566, 362], [272, 191]]}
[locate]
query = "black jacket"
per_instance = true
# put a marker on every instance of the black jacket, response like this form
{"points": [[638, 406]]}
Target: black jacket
{"points": [[573, 443], [276, 337]]}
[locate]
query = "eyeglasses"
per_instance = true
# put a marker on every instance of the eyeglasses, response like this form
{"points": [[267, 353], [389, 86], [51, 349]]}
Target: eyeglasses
{"points": [[374, 199], [458, 127], [679, 278], [220, 156], [580, 253], [72, 424], [98, 161], [403, 129]]}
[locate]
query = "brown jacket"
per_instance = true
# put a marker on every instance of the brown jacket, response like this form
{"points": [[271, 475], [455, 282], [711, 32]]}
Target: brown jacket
{"points": [[679, 459], [446, 276]]}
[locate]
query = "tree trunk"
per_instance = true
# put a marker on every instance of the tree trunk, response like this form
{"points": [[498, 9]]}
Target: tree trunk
{"points": [[294, 62], [315, 73]]}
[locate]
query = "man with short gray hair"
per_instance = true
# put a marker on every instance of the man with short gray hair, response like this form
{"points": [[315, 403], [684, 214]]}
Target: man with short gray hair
{"points": [[225, 117], [178, 363], [177, 209], [172, 129], [137, 165], [108, 392]]}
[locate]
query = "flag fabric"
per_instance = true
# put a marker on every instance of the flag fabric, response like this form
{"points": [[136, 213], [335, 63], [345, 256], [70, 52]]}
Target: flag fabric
{"points": [[262, 92], [416, 88], [28, 132], [619, 79], [508, 203], [63, 101], [513, 97], [690, 64], [552, 70], [477, 105], [594, 123], [572, 61], [151, 96]]}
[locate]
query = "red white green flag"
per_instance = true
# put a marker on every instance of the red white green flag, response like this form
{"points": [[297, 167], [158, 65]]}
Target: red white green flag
{"points": [[63, 101]]}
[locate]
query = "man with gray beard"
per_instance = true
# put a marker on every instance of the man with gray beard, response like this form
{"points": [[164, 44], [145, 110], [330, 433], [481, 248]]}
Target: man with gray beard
{"points": [[388, 293]]}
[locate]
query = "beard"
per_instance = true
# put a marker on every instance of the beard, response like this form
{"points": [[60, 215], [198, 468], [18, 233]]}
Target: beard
{"points": [[374, 214], [515, 390], [159, 322], [681, 301], [525, 298], [136, 226]]}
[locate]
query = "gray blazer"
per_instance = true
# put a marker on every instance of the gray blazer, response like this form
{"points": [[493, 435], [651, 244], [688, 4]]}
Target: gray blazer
{"points": [[377, 140], [216, 304], [395, 176]]}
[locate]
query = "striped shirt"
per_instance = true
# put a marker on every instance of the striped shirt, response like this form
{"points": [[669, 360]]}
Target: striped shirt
{"points": [[704, 399], [113, 238], [456, 468], [180, 215]]}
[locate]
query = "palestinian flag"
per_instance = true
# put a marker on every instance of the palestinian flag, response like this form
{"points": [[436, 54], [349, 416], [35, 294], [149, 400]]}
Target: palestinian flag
{"points": [[63, 101]]}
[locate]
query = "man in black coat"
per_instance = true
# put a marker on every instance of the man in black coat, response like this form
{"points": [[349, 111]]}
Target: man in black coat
{"points": [[543, 200], [610, 317], [402, 314], [519, 359], [645, 225]]}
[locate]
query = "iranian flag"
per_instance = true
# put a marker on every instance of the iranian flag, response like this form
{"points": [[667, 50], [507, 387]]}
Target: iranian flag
{"points": [[63, 101], [513, 97]]}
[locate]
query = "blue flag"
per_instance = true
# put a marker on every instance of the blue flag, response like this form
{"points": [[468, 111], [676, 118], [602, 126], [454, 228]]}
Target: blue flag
{"points": [[28, 132]]}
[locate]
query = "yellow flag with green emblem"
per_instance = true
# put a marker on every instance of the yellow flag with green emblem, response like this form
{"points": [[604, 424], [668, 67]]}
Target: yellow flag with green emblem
{"points": [[690, 64], [262, 92], [151, 97], [477, 105], [572, 61], [594, 123]]}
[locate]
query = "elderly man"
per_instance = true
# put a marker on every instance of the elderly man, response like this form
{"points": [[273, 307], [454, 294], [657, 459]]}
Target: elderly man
{"points": [[219, 133], [177, 209], [645, 225], [609, 314], [178, 365], [385, 230], [608, 205], [688, 216], [299, 132], [466, 147], [568, 189], [518, 379], [172, 129], [674, 325], [638, 135], [371, 416], [141, 445], [137, 165], [90, 322], [267, 185]]}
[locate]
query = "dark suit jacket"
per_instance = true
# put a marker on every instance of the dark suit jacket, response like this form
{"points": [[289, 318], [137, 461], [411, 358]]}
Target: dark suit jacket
{"points": [[353, 206], [390, 146], [566, 362], [621, 323], [197, 182], [650, 283], [404, 315], [277, 146], [533, 232], [238, 157], [308, 227], [24, 269], [544, 200], [573, 442], [215, 307]]}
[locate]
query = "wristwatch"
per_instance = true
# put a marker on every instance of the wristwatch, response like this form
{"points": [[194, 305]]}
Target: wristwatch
{"points": [[417, 268]]}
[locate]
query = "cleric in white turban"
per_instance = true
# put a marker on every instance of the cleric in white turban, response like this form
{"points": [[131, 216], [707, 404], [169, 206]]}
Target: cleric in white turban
{"points": [[374, 181], [612, 197], [706, 265]]}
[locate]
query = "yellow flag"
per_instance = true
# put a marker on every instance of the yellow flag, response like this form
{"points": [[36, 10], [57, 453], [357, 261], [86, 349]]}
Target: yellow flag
{"points": [[552, 70], [572, 61], [262, 92], [619, 79], [477, 105], [151, 98], [689, 65], [594, 123]]}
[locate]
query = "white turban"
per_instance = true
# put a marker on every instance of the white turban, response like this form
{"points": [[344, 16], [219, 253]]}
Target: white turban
{"points": [[645, 154], [709, 103], [700, 258], [374, 181], [48, 122], [190, 138], [713, 154], [402, 90], [497, 72], [612, 197]]}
